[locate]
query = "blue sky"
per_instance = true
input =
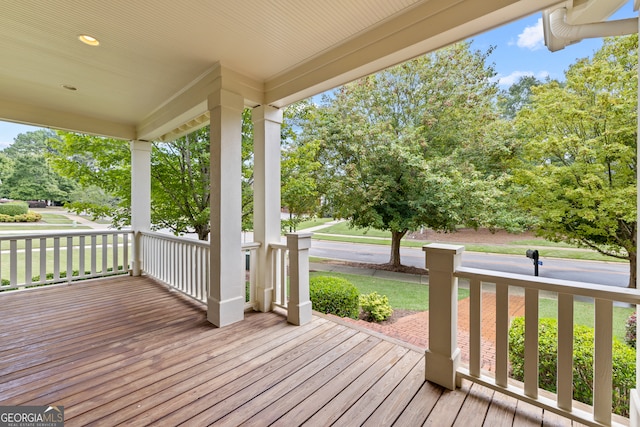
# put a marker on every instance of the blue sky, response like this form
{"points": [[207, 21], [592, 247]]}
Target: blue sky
{"points": [[519, 50]]}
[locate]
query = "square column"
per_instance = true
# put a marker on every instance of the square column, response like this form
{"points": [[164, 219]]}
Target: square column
{"points": [[442, 358], [140, 197], [226, 285], [266, 187]]}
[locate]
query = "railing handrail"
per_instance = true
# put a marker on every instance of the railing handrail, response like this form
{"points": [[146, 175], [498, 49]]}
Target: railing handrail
{"points": [[177, 239], [57, 233], [626, 295]]}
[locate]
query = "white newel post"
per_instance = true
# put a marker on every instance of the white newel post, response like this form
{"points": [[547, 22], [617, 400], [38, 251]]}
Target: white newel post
{"points": [[299, 305], [226, 288], [634, 410], [266, 204], [140, 198], [442, 357]]}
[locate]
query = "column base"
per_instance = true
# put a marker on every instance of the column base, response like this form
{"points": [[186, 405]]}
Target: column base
{"points": [[265, 299], [299, 314], [223, 313], [136, 268], [441, 369]]}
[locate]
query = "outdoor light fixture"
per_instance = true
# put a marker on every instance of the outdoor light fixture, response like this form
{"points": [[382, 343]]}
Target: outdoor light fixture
{"points": [[89, 40]]}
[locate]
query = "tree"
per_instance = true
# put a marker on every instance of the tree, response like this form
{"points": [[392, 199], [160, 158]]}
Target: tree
{"points": [[517, 96], [299, 166], [26, 173], [580, 161], [398, 148], [180, 178]]}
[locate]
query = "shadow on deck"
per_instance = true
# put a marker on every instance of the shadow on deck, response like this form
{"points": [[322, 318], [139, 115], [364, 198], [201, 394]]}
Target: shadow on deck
{"points": [[128, 350]]}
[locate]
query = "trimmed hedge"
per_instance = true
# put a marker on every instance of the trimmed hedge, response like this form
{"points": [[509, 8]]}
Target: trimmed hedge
{"points": [[375, 307], [14, 208], [28, 217], [333, 295], [624, 362]]}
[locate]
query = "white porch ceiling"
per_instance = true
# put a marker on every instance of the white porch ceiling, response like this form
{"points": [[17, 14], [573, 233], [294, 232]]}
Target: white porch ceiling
{"points": [[158, 60]]}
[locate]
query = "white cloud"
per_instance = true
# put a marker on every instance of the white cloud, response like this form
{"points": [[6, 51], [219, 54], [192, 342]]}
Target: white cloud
{"points": [[514, 76], [532, 37]]}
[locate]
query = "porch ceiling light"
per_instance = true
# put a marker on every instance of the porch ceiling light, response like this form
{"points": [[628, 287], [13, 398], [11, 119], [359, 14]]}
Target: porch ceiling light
{"points": [[89, 40], [69, 87]]}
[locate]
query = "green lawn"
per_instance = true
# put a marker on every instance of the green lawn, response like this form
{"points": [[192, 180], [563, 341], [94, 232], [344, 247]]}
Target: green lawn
{"points": [[583, 314], [412, 296], [402, 295]]}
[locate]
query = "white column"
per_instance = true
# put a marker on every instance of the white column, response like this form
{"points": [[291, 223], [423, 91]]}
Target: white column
{"points": [[226, 287], [266, 199], [442, 358], [299, 306], [634, 415], [140, 197]]}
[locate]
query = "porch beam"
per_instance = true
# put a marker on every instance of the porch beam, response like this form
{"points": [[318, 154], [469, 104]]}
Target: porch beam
{"points": [[266, 205], [226, 288]]}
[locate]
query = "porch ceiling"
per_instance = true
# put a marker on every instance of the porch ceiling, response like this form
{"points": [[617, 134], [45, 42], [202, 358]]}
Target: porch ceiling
{"points": [[159, 59]]}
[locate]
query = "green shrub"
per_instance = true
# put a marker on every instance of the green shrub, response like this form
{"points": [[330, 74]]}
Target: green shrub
{"points": [[28, 217], [624, 362], [14, 208], [630, 331], [334, 295], [375, 307]]}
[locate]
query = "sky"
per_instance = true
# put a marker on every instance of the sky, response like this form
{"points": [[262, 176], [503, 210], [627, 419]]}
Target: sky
{"points": [[519, 50]]}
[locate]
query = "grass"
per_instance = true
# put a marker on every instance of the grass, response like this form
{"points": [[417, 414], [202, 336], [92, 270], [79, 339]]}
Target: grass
{"points": [[583, 314], [402, 295], [413, 296], [314, 222], [50, 218]]}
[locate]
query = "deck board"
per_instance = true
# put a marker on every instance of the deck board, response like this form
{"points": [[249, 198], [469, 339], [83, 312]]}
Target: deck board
{"points": [[128, 351]]}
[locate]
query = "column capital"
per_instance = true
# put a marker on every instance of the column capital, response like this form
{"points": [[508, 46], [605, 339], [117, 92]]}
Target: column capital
{"points": [[140, 145], [268, 113], [225, 98]]}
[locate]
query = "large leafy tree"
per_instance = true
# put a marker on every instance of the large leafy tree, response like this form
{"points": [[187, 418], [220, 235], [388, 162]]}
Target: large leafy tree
{"points": [[26, 174], [580, 161], [399, 148], [180, 178]]}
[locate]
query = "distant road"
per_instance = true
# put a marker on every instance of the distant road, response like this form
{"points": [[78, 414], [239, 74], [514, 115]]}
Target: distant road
{"points": [[606, 273]]}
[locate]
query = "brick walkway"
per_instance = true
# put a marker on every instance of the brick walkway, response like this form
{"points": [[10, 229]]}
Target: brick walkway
{"points": [[414, 329]]}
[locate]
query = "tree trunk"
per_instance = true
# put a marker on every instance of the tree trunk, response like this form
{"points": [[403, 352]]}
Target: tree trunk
{"points": [[203, 232], [396, 237]]}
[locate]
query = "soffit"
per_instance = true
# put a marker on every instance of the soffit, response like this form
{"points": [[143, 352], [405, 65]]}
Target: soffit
{"points": [[154, 54]]}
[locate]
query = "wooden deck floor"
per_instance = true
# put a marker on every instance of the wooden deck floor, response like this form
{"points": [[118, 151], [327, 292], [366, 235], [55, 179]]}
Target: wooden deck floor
{"points": [[128, 351]]}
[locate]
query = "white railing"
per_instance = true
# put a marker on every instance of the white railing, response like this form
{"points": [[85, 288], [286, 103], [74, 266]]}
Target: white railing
{"points": [[290, 267], [183, 264], [443, 262], [280, 269], [48, 258]]}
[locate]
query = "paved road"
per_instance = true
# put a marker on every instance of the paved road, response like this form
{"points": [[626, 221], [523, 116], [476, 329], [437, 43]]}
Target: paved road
{"points": [[608, 273]]}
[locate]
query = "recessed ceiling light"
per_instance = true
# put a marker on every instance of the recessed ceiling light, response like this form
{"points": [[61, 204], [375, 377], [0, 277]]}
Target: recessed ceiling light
{"points": [[69, 87], [87, 39]]}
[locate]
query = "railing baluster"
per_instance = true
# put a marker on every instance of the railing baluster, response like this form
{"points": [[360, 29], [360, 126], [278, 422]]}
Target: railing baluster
{"points": [[502, 334], [69, 259], [105, 254], [531, 343], [475, 327], [116, 261], [565, 351], [94, 255], [81, 257], [13, 262], [28, 257], [602, 361], [43, 260], [56, 258], [125, 252]]}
